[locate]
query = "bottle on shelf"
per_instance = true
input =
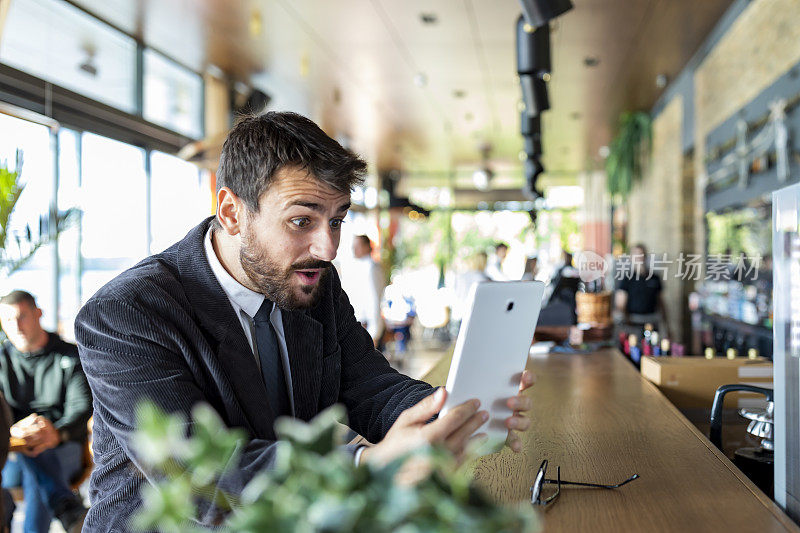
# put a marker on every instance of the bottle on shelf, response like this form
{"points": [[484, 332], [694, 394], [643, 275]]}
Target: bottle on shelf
{"points": [[665, 347], [636, 351], [752, 353], [655, 344], [710, 353], [731, 353]]}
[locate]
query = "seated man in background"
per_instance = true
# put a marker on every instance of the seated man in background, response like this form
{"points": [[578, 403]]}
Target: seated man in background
{"points": [[42, 380]]}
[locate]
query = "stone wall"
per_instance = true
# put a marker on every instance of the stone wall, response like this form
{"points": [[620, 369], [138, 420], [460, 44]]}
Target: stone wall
{"points": [[656, 216]]}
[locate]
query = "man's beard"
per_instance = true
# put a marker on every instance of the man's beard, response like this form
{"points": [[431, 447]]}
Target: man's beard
{"points": [[276, 283]]}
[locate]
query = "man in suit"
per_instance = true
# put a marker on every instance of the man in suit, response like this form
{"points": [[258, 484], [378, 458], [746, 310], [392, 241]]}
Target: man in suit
{"points": [[247, 315]]}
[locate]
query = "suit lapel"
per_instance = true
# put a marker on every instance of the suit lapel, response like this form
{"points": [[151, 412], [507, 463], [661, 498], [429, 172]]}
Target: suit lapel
{"points": [[303, 342], [215, 314]]}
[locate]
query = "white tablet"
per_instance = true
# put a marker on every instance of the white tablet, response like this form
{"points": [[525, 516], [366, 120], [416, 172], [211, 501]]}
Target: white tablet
{"points": [[492, 349]]}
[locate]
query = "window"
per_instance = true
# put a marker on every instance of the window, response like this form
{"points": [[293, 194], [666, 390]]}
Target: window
{"points": [[173, 95], [114, 204], [33, 205], [61, 44], [180, 198]]}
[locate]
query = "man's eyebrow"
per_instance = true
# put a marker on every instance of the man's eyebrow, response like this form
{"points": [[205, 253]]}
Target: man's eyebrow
{"points": [[314, 206]]}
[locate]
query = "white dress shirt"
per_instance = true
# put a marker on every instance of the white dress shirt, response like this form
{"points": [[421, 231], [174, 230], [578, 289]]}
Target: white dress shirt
{"points": [[246, 304]]}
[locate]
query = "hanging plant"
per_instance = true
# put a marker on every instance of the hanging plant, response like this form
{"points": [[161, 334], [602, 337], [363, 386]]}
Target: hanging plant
{"points": [[628, 152]]}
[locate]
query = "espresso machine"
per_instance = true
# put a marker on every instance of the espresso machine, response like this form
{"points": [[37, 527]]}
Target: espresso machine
{"points": [[756, 462]]}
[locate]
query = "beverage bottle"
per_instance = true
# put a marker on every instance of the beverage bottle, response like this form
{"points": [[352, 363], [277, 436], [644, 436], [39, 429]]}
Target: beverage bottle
{"points": [[636, 352], [710, 353], [731, 353], [665, 347], [656, 345], [752, 353]]}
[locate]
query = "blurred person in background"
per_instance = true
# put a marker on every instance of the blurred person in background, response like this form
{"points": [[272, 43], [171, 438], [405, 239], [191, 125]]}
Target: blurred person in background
{"points": [[638, 298], [363, 281], [475, 272], [494, 267], [43, 383]]}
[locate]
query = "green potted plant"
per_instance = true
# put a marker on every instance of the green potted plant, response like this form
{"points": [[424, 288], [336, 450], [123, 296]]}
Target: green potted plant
{"points": [[12, 258], [315, 485], [627, 152]]}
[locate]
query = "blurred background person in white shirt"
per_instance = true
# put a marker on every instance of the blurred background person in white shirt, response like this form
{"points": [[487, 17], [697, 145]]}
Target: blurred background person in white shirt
{"points": [[494, 268], [363, 281]]}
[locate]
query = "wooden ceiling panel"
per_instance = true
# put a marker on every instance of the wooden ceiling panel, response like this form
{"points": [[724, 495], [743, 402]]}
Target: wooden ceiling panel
{"points": [[355, 62]]}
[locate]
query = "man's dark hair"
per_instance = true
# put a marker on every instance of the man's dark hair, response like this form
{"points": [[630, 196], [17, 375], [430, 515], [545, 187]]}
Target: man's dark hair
{"points": [[258, 146], [17, 297], [500, 245]]}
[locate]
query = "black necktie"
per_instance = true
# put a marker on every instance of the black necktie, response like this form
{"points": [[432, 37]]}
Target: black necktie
{"points": [[269, 354]]}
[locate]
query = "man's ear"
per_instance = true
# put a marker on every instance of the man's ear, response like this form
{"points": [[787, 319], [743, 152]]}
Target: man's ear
{"points": [[230, 211]]}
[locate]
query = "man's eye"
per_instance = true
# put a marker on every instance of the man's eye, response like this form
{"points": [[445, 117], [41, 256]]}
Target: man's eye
{"points": [[301, 222], [337, 223]]}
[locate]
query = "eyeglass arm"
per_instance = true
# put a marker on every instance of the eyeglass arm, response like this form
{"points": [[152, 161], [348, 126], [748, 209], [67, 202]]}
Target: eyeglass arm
{"points": [[595, 485]]}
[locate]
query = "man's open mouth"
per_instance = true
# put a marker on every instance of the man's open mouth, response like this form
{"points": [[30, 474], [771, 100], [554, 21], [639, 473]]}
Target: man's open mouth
{"points": [[309, 277]]}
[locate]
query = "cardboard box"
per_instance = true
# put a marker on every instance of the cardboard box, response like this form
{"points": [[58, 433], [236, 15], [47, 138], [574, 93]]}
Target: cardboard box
{"points": [[690, 382]]}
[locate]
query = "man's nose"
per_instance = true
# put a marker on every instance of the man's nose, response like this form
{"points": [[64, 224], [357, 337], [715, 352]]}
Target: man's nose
{"points": [[324, 245]]}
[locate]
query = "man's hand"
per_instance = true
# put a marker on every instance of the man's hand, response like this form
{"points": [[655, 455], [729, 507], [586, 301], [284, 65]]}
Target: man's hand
{"points": [[411, 430], [520, 404], [43, 436]]}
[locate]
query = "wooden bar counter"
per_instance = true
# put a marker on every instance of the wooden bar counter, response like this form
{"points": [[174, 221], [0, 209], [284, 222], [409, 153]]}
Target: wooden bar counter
{"points": [[598, 419]]}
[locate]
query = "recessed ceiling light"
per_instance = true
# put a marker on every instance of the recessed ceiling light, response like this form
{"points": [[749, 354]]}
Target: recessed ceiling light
{"points": [[428, 18], [459, 93], [591, 61], [575, 115], [420, 79], [661, 81]]}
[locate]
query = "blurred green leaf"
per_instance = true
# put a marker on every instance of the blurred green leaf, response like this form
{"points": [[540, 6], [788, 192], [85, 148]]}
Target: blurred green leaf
{"points": [[314, 486]]}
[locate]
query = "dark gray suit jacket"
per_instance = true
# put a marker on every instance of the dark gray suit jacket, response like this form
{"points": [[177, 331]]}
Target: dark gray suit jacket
{"points": [[164, 330]]}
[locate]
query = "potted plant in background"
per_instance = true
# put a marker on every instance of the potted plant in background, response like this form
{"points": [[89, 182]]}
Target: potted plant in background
{"points": [[18, 248], [314, 486]]}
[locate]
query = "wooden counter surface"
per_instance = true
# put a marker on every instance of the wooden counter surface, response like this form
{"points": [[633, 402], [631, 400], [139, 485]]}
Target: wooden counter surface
{"points": [[598, 419]]}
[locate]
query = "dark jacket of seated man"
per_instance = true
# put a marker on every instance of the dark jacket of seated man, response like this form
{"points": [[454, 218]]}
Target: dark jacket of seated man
{"points": [[48, 382], [165, 331]]}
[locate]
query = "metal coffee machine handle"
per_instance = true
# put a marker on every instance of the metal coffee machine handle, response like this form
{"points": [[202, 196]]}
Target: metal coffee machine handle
{"points": [[715, 433]]}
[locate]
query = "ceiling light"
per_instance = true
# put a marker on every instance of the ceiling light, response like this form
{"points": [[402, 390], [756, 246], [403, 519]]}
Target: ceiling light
{"points": [[428, 18], [661, 81], [591, 61], [459, 93], [420, 79], [255, 24], [88, 66]]}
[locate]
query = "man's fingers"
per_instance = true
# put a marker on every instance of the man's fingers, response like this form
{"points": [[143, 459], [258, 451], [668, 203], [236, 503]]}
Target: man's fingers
{"points": [[518, 422], [519, 403], [514, 442], [424, 409], [442, 428], [457, 440], [528, 379]]}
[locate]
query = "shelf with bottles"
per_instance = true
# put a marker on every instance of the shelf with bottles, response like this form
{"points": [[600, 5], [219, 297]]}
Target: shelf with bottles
{"points": [[746, 301]]}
